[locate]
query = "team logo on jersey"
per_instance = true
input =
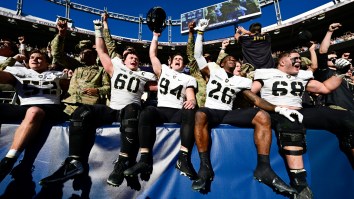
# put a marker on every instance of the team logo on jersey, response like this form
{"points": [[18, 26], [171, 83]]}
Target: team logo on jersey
{"points": [[130, 72], [142, 73], [226, 80], [174, 77], [40, 76], [288, 76]]}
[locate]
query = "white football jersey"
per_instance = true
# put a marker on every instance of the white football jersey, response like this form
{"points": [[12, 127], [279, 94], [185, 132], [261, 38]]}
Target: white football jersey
{"points": [[37, 88], [222, 90], [280, 88], [172, 87], [127, 86]]}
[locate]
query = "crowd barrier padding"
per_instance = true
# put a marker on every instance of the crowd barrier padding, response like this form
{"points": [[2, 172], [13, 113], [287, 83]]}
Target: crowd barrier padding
{"points": [[233, 156]]}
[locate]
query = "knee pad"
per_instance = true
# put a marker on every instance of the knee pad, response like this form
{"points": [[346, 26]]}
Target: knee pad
{"points": [[129, 125], [292, 139], [291, 134], [129, 118], [80, 116]]}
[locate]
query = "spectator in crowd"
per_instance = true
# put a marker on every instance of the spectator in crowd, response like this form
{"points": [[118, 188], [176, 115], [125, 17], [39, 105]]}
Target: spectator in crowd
{"points": [[222, 88], [176, 104], [9, 56], [256, 46], [310, 99], [284, 87], [39, 93], [342, 97], [127, 87], [89, 83]]}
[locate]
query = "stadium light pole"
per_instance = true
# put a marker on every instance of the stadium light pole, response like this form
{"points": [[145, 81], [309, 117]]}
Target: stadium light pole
{"points": [[277, 11], [19, 7], [169, 23], [140, 34], [67, 9]]}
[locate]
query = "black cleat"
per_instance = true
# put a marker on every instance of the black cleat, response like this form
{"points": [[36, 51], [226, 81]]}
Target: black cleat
{"points": [[205, 176], [116, 177], [185, 166], [22, 172], [133, 182], [68, 170], [274, 182], [142, 168], [6, 165], [306, 193]]}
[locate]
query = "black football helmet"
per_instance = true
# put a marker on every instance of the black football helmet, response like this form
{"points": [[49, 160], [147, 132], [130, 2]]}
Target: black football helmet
{"points": [[156, 19]]}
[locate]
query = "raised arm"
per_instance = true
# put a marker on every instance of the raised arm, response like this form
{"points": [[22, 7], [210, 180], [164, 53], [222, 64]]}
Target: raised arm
{"points": [[190, 44], [57, 48], [156, 64], [222, 52], [241, 31], [110, 43], [313, 56], [326, 42], [198, 49], [102, 49]]}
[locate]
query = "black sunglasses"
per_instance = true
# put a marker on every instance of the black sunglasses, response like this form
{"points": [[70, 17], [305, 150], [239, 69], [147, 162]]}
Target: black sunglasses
{"points": [[332, 58]]}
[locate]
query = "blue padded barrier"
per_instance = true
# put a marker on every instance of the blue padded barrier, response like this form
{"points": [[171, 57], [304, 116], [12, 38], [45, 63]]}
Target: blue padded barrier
{"points": [[233, 157]]}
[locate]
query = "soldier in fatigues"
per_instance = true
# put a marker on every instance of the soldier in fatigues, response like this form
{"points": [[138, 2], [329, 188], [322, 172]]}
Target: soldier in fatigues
{"points": [[89, 84]]}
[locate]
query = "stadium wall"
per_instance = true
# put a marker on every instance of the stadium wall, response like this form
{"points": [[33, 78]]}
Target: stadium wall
{"points": [[233, 157]]}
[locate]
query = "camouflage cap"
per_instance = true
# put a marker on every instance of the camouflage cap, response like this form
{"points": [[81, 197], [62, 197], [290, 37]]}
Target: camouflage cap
{"points": [[83, 44], [247, 70], [305, 62]]}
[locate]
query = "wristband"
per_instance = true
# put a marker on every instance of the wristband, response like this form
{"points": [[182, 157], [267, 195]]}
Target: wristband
{"points": [[339, 75], [200, 32], [98, 33], [155, 37]]}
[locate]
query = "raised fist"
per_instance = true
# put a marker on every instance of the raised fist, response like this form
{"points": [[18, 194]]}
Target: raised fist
{"points": [[202, 25], [98, 24]]}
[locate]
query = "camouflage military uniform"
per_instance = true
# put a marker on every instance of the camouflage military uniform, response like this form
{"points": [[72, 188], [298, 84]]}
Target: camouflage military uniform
{"points": [[87, 77], [10, 61], [84, 77], [195, 72], [110, 44]]}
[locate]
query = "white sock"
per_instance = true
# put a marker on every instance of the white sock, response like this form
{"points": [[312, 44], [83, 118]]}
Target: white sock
{"points": [[12, 153]]}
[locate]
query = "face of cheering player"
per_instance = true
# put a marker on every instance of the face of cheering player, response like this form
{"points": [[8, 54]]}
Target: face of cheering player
{"points": [[177, 63], [38, 62], [291, 64], [131, 61], [229, 64]]}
